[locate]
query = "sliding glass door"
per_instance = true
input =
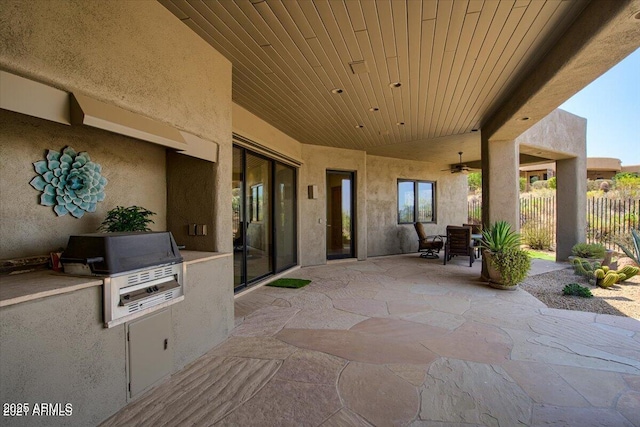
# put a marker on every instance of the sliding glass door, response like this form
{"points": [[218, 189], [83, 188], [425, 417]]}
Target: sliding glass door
{"points": [[285, 217], [264, 217]]}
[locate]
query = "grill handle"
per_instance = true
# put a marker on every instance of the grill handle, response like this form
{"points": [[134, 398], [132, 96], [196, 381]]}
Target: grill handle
{"points": [[83, 260]]}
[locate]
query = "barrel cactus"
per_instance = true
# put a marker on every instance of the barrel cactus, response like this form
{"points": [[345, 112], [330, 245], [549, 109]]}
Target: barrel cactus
{"points": [[609, 280], [629, 271]]}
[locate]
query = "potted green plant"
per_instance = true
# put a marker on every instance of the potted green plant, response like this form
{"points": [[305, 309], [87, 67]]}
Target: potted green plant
{"points": [[507, 264], [133, 218]]}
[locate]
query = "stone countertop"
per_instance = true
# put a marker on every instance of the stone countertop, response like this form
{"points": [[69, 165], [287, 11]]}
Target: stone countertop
{"points": [[17, 288], [23, 287]]}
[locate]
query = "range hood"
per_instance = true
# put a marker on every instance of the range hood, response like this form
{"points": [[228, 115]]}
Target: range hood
{"points": [[39, 100], [91, 112]]}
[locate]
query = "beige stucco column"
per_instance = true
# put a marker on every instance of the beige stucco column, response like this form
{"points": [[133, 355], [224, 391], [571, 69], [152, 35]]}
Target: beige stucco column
{"points": [[571, 193], [500, 183]]}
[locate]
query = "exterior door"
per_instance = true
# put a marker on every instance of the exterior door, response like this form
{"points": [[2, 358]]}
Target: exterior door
{"points": [[340, 215], [264, 217]]}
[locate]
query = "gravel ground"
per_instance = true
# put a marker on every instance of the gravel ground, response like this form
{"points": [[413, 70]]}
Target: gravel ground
{"points": [[620, 300]]}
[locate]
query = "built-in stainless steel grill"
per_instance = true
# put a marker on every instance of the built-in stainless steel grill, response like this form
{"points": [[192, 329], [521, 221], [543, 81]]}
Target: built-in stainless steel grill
{"points": [[142, 272]]}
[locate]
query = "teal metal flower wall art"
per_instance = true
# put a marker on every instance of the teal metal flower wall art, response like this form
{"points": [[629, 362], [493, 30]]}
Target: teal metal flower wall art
{"points": [[69, 181]]}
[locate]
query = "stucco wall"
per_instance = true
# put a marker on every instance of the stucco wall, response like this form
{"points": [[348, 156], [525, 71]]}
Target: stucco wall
{"points": [[191, 204], [205, 317], [560, 131], [385, 235], [135, 171], [254, 128], [133, 54], [313, 212], [51, 353]]}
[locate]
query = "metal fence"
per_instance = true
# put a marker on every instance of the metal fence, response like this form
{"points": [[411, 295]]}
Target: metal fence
{"points": [[607, 219]]}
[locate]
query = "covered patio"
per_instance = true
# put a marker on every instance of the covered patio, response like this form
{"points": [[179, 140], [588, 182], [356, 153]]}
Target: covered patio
{"points": [[402, 340]]}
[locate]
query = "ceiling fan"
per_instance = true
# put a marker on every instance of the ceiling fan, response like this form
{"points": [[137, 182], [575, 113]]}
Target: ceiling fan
{"points": [[459, 167]]}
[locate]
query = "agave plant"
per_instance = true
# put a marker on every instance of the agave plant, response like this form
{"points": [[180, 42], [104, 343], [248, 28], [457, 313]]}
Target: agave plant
{"points": [[636, 246], [500, 237]]}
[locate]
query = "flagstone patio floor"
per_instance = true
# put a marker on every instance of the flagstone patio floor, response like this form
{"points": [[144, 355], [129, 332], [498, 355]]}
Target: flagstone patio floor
{"points": [[404, 341]]}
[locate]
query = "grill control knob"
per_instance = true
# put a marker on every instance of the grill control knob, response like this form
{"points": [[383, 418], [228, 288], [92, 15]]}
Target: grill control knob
{"points": [[155, 288]]}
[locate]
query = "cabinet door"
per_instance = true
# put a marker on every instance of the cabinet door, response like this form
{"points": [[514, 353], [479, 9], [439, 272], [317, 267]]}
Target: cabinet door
{"points": [[150, 350]]}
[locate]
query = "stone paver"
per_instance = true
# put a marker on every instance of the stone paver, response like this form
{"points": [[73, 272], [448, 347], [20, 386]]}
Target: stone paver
{"points": [[545, 415], [629, 406], [286, 403], [544, 385], [311, 367], [265, 321], [357, 346], [345, 418], [377, 395], [469, 392], [404, 341], [474, 342]]}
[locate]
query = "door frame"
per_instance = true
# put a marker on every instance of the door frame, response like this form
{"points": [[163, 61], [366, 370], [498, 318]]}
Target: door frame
{"points": [[352, 251], [273, 267]]}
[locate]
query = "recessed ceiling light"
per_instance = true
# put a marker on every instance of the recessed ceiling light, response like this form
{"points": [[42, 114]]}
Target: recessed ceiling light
{"points": [[400, 124], [374, 109], [359, 126], [523, 119], [395, 84], [336, 90]]}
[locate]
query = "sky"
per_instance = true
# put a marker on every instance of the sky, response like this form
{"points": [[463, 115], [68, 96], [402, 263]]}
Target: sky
{"points": [[611, 105]]}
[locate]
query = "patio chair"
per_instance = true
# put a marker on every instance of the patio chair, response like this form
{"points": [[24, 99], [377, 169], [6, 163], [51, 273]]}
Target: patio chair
{"points": [[428, 246], [459, 242], [476, 230]]}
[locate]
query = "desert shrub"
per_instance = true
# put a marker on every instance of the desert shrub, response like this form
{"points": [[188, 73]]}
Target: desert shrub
{"points": [[535, 236], [523, 184], [588, 250], [474, 180], [577, 290], [596, 185], [627, 185], [539, 185], [553, 183]]}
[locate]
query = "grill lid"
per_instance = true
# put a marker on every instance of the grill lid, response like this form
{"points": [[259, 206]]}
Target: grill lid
{"points": [[112, 253]]}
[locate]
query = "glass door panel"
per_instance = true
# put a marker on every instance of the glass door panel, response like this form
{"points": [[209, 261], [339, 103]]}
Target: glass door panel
{"points": [[285, 216], [258, 246], [340, 236], [238, 221]]}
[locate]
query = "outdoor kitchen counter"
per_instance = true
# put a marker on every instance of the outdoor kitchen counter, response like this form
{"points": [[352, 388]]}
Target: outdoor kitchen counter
{"points": [[23, 287], [55, 348], [17, 288]]}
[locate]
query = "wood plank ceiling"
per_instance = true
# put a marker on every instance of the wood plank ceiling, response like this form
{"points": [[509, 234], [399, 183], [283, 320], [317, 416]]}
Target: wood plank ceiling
{"points": [[411, 72]]}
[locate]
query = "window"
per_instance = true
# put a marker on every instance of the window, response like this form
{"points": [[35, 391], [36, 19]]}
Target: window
{"points": [[408, 210]]}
